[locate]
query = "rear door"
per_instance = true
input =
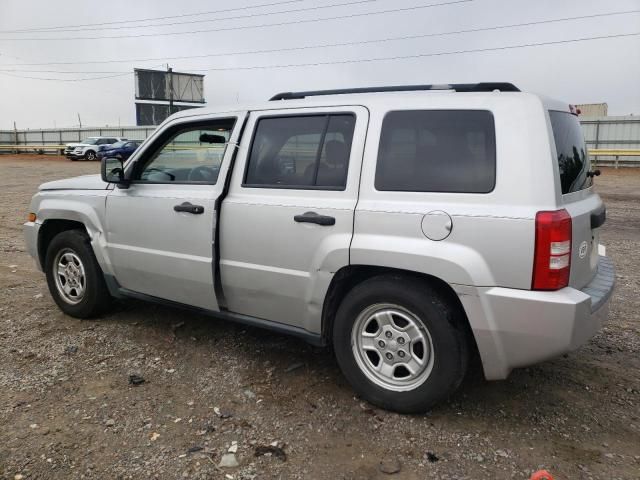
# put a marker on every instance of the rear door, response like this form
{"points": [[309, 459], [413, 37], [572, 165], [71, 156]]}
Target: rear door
{"points": [[583, 204], [287, 222]]}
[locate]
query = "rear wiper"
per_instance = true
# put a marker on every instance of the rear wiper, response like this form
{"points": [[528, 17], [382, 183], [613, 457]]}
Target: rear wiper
{"points": [[588, 175]]}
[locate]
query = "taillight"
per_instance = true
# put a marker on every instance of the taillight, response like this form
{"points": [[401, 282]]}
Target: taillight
{"points": [[552, 258]]}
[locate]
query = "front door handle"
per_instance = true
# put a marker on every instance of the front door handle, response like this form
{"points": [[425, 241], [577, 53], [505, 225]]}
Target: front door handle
{"points": [[189, 208], [313, 217]]}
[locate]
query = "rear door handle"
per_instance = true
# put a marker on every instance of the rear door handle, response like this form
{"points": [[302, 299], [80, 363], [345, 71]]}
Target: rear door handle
{"points": [[313, 217], [189, 208]]}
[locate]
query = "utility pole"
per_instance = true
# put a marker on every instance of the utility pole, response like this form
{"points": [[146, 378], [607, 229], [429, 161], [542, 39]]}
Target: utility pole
{"points": [[79, 121], [15, 132], [170, 71]]}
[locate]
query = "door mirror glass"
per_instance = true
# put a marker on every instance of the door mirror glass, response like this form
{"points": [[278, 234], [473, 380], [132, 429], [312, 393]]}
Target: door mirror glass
{"points": [[112, 170]]}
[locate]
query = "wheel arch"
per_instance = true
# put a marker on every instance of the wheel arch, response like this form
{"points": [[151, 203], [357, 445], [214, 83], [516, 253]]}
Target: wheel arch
{"points": [[84, 211], [52, 227], [349, 276]]}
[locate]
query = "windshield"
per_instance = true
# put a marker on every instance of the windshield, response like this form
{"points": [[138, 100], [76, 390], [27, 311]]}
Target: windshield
{"points": [[573, 158], [90, 141], [117, 145]]}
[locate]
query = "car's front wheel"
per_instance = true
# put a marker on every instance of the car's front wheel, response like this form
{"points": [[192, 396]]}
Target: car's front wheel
{"points": [[400, 344], [90, 155], [74, 277]]}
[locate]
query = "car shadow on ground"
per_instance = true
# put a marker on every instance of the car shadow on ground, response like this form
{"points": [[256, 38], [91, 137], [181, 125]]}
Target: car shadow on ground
{"points": [[530, 394]]}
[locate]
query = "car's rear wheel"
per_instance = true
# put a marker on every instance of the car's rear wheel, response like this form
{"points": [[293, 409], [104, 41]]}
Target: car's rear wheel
{"points": [[74, 277], [400, 344], [90, 155]]}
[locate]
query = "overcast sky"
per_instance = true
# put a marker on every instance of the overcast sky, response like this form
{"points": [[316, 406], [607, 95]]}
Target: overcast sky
{"points": [[594, 71]]}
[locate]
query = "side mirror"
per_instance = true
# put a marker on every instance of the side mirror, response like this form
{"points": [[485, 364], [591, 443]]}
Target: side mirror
{"points": [[112, 170]]}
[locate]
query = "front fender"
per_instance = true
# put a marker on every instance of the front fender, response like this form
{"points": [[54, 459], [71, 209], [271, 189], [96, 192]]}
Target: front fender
{"points": [[82, 207]]}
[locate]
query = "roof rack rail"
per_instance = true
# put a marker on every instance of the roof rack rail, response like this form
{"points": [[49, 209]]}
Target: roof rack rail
{"points": [[458, 87]]}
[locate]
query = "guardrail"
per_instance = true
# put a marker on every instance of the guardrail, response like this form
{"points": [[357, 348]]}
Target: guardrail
{"points": [[40, 149], [31, 148], [616, 153]]}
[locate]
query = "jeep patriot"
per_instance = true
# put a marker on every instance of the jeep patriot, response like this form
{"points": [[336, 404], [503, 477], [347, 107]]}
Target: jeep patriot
{"points": [[416, 229]]}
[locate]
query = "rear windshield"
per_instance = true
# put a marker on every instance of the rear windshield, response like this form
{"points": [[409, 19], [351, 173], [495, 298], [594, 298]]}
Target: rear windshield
{"points": [[573, 159]]}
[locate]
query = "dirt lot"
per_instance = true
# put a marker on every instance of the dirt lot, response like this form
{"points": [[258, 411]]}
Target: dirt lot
{"points": [[67, 409]]}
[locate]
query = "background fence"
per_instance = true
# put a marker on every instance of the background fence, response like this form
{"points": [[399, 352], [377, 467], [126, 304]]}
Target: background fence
{"points": [[52, 137], [611, 140], [617, 135]]}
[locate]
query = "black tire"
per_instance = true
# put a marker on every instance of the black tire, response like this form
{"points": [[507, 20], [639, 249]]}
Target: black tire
{"points": [[90, 155], [445, 327], [96, 298]]}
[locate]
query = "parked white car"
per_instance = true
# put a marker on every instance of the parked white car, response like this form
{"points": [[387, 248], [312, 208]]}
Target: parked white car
{"points": [[89, 147], [416, 229]]}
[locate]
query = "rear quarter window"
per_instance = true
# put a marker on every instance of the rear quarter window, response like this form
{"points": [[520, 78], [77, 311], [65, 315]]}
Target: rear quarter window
{"points": [[437, 151], [572, 155]]}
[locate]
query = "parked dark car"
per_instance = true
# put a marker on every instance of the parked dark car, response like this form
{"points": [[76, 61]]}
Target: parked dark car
{"points": [[121, 150]]}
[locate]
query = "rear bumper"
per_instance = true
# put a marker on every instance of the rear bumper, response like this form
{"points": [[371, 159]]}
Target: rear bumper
{"points": [[516, 328]]}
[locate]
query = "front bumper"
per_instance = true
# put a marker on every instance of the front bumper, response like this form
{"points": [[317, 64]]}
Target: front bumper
{"points": [[31, 230], [523, 327]]}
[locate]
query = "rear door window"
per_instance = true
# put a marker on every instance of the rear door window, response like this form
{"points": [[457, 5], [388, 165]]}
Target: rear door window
{"points": [[437, 151], [302, 152], [573, 157]]}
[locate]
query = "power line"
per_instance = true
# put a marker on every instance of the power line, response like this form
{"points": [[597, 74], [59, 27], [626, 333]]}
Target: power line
{"points": [[377, 59], [183, 15], [245, 27], [309, 47], [237, 17], [420, 55]]}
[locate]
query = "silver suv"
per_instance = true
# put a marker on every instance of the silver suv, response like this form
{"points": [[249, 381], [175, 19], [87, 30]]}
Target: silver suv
{"points": [[415, 229]]}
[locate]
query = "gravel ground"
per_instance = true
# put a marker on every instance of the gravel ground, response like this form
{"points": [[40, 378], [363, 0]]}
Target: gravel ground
{"points": [[68, 410]]}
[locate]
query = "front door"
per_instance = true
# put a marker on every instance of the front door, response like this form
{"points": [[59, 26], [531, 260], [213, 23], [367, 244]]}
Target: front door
{"points": [[161, 230], [287, 221]]}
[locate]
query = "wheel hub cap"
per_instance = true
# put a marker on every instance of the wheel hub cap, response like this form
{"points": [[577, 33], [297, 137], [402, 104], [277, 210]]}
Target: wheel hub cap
{"points": [[392, 347], [69, 276]]}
